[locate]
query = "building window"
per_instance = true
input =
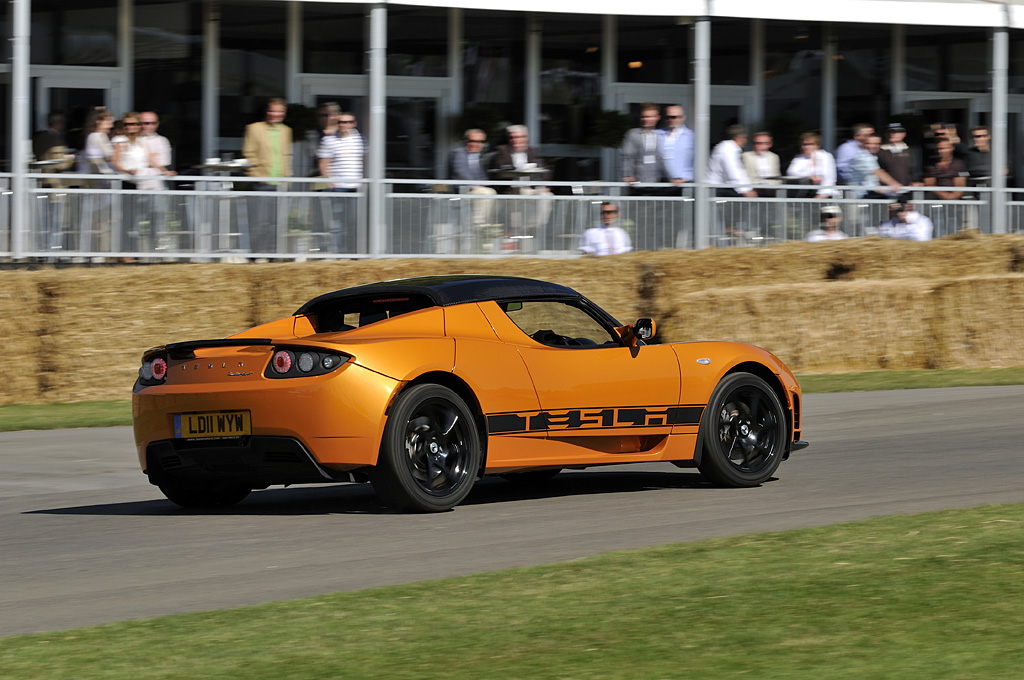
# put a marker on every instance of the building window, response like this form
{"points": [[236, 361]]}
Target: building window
{"points": [[652, 50], [493, 58], [82, 33], [1015, 73], [168, 39], [252, 62], [730, 52], [570, 77], [792, 81], [333, 38], [945, 59], [863, 76], [417, 42]]}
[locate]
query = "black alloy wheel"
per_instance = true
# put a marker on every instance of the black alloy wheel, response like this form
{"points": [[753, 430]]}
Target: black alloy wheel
{"points": [[430, 454], [744, 432]]}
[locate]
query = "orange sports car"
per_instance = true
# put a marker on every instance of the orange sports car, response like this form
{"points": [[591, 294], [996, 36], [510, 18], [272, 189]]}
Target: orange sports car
{"points": [[421, 386]]}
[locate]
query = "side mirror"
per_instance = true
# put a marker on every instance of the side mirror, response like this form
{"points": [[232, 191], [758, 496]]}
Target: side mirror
{"points": [[644, 329]]}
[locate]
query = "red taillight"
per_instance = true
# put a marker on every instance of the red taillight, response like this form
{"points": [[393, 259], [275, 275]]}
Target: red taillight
{"points": [[159, 369], [282, 361]]}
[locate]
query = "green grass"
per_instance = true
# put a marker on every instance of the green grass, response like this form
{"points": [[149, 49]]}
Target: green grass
{"points": [[56, 416], [939, 595], [909, 380], [108, 413]]}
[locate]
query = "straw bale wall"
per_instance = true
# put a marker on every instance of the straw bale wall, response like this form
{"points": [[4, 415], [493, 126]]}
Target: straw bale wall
{"points": [[76, 334]]}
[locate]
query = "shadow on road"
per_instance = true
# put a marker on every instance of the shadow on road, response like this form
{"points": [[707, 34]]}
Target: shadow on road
{"points": [[359, 499]]}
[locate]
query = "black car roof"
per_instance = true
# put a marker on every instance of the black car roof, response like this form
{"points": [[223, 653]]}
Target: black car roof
{"points": [[452, 290]]}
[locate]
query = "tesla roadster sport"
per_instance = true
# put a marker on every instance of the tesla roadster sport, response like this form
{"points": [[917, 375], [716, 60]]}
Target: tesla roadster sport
{"points": [[423, 385]]}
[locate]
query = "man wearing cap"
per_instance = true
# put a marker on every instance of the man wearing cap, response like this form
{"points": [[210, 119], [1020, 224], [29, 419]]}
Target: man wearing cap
{"points": [[831, 218], [896, 157], [905, 223]]}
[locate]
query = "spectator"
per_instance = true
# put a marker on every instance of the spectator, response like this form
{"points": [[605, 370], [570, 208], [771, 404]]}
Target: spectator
{"points": [[99, 151], [643, 153], [864, 171], [268, 145], [850, 149], [50, 145], [947, 171], [677, 145], [327, 116], [762, 164], [130, 156], [341, 160], [725, 166], [814, 166], [942, 132], [159, 149], [517, 160], [341, 154], [896, 157], [268, 149], [831, 218], [979, 157], [905, 223], [608, 238], [469, 164]]}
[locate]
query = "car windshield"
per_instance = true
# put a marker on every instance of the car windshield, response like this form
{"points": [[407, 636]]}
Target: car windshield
{"points": [[346, 314]]}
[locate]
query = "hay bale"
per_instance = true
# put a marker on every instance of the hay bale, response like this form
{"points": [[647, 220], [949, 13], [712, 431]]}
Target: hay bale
{"points": [[982, 322], [22, 326], [108, 317], [814, 328]]}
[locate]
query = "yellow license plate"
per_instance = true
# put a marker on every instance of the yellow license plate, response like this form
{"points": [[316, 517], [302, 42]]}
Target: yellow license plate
{"points": [[218, 424]]}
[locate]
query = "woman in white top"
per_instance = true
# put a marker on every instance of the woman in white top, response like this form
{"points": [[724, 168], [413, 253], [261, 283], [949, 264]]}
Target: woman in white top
{"points": [[130, 154], [99, 152], [814, 165]]}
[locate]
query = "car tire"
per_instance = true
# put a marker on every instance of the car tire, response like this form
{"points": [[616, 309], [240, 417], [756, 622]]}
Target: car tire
{"points": [[743, 432], [430, 453], [222, 496], [530, 476]]}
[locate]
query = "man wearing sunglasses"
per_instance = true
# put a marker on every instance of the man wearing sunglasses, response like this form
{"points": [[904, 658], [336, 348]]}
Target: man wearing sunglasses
{"points": [[608, 238]]}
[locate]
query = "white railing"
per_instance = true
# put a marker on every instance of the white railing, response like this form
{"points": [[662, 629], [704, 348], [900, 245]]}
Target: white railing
{"points": [[218, 217]]}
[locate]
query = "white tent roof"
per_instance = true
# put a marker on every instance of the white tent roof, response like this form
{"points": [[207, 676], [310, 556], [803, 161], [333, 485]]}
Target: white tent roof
{"points": [[958, 13]]}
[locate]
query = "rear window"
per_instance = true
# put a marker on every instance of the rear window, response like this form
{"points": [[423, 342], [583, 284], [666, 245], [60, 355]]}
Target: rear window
{"points": [[332, 316]]}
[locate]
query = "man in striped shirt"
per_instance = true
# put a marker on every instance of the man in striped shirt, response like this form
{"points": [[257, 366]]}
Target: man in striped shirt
{"points": [[341, 161], [341, 155]]}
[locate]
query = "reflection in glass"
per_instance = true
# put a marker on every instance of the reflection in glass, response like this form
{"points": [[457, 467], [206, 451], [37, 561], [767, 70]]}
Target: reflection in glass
{"points": [[417, 42], [410, 139], [730, 52], [80, 33], [252, 66], [494, 46], [332, 38], [792, 81], [941, 59], [863, 77], [570, 78], [168, 39], [652, 51]]}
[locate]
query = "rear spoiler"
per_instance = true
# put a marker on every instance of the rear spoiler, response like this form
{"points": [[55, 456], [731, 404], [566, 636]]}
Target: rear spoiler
{"points": [[186, 350]]}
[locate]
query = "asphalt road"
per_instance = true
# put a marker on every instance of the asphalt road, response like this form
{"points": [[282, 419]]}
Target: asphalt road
{"points": [[84, 539]]}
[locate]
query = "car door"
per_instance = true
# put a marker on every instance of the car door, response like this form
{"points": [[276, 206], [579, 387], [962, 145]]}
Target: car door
{"points": [[588, 384]]}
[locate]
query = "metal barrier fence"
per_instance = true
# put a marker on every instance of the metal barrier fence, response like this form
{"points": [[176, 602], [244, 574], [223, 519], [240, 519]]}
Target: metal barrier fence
{"points": [[217, 217], [5, 214]]}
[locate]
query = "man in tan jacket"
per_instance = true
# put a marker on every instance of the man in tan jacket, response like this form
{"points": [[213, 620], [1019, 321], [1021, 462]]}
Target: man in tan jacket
{"points": [[268, 148], [268, 144]]}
